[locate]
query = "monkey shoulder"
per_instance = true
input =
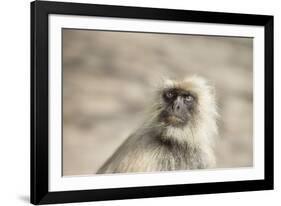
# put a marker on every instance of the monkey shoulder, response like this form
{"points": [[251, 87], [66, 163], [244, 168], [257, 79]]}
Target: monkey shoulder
{"points": [[134, 155]]}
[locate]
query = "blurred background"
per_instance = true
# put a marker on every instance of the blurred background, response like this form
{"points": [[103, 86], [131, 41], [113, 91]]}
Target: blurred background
{"points": [[108, 78]]}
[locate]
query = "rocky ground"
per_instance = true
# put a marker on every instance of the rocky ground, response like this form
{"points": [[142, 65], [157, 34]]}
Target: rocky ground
{"points": [[108, 78]]}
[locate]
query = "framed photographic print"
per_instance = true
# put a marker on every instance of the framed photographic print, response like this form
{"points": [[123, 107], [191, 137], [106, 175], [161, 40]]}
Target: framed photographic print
{"points": [[131, 102]]}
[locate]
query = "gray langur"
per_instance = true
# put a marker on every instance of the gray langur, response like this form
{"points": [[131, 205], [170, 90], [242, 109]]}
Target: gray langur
{"points": [[179, 133]]}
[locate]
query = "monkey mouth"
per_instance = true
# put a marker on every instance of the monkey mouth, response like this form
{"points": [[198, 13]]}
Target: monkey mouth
{"points": [[175, 120], [172, 119]]}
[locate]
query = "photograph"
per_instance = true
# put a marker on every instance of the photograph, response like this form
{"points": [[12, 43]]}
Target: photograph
{"points": [[140, 102]]}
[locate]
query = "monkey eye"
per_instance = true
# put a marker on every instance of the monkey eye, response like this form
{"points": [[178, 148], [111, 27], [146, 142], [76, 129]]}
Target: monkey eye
{"points": [[188, 98], [169, 94]]}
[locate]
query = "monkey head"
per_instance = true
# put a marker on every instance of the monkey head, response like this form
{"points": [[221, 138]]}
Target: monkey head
{"points": [[185, 102]]}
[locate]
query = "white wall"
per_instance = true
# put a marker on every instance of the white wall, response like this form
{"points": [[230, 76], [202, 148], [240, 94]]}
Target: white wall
{"points": [[14, 102]]}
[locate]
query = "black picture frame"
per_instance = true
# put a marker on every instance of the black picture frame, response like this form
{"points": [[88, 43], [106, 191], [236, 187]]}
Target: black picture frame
{"points": [[40, 98]]}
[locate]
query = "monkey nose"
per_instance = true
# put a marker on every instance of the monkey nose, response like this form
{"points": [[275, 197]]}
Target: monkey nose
{"points": [[177, 107]]}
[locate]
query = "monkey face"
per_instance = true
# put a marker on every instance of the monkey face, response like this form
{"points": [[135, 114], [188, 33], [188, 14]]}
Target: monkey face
{"points": [[178, 106]]}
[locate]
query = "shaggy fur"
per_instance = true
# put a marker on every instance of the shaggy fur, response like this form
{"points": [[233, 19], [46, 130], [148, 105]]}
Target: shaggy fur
{"points": [[157, 146]]}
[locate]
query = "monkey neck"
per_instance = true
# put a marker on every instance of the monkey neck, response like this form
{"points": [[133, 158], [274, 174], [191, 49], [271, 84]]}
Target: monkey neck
{"points": [[190, 136], [185, 137]]}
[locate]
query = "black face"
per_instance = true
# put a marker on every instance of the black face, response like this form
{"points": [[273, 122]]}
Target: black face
{"points": [[179, 106]]}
